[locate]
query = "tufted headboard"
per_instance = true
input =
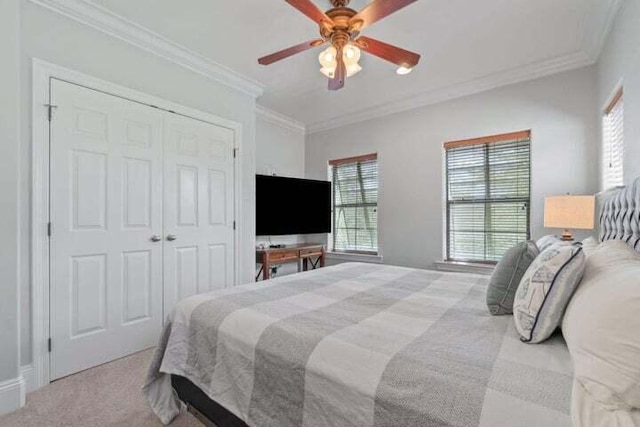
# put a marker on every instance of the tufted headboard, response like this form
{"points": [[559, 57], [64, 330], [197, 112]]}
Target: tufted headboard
{"points": [[619, 214]]}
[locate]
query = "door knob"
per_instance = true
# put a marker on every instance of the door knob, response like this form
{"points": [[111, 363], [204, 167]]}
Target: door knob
{"points": [[155, 238], [172, 237]]}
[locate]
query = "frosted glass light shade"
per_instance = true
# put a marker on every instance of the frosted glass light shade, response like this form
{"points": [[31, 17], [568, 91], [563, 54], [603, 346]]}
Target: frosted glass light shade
{"points": [[353, 69], [328, 58], [351, 55], [329, 72]]}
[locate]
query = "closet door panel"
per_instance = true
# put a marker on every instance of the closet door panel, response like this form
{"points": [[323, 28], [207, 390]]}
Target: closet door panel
{"points": [[106, 204], [199, 207]]}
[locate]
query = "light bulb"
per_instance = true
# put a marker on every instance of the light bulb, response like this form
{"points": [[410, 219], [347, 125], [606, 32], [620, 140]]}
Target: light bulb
{"points": [[351, 54], [349, 51], [402, 70], [327, 58]]}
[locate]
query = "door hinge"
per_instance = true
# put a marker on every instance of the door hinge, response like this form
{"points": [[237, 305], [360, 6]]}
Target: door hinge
{"points": [[50, 111], [235, 152], [234, 225], [49, 345], [49, 229]]}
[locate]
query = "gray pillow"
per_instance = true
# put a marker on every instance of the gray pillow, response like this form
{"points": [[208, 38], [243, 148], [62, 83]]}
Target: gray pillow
{"points": [[507, 275]]}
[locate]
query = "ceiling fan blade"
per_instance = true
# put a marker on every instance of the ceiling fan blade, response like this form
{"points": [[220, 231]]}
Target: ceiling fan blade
{"points": [[337, 82], [393, 54], [274, 57], [310, 9], [377, 10]]}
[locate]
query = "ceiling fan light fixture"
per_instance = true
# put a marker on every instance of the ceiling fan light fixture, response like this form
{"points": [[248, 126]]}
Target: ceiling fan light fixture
{"points": [[329, 72], [328, 58], [351, 54], [403, 71], [353, 69]]}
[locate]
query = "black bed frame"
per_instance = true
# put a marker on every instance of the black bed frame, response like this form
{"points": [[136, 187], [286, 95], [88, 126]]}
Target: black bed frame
{"points": [[210, 413]]}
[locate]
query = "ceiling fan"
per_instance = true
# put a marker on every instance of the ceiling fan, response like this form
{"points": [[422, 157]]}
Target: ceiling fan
{"points": [[340, 27]]}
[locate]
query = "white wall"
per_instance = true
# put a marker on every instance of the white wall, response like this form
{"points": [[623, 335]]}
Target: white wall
{"points": [[54, 38], [279, 151], [9, 223], [560, 111], [620, 59]]}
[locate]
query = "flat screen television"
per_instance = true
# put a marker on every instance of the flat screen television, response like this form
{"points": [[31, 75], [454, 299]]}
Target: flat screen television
{"points": [[292, 206]]}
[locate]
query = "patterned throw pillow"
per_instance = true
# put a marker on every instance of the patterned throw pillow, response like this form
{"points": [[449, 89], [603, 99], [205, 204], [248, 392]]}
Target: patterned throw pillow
{"points": [[507, 275], [545, 291]]}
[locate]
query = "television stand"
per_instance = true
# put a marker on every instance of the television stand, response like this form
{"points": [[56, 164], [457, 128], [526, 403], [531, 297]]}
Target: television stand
{"points": [[308, 253]]}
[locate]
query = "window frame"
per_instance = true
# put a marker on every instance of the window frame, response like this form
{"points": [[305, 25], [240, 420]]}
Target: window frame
{"points": [[348, 161], [608, 144], [485, 141]]}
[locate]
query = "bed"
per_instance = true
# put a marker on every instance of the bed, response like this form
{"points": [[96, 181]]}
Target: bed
{"points": [[358, 345], [368, 345]]}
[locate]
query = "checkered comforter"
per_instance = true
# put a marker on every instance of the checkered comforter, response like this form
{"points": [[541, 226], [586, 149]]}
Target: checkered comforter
{"points": [[361, 345]]}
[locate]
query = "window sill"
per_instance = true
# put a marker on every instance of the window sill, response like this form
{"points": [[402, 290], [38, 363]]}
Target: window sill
{"points": [[465, 267], [349, 257]]}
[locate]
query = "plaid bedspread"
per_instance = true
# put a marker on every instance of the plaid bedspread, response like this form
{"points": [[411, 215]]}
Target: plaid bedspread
{"points": [[361, 345]]}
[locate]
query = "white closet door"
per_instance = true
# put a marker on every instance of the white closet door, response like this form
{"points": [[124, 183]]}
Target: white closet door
{"points": [[198, 208], [106, 204]]}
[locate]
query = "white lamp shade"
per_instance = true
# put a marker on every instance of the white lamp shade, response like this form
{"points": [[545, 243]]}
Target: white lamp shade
{"points": [[575, 212]]}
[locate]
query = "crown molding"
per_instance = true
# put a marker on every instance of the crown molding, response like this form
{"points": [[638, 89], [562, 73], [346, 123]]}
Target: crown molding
{"points": [[598, 28], [493, 81], [596, 32], [110, 23], [275, 118]]}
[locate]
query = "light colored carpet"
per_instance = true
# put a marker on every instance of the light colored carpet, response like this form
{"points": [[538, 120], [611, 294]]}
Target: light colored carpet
{"points": [[108, 395]]}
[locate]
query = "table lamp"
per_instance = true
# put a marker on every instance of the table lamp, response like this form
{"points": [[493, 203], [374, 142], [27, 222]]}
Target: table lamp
{"points": [[569, 212]]}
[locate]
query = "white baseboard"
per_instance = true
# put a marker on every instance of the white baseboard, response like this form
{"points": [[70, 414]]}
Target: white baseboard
{"points": [[12, 395], [28, 374]]}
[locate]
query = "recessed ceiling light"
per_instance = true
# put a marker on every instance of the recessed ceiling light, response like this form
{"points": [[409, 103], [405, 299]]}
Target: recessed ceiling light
{"points": [[402, 70]]}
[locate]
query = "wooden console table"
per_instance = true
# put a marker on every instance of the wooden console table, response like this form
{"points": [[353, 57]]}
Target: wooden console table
{"points": [[305, 252]]}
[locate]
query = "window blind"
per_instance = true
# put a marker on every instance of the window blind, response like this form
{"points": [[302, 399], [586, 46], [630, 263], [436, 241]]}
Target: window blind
{"points": [[613, 143], [488, 196], [355, 204]]}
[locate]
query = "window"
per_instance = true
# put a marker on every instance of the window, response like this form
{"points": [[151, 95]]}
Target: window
{"points": [[355, 204], [613, 143], [488, 186]]}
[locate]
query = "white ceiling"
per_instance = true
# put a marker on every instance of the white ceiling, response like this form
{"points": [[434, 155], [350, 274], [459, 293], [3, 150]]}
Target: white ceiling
{"points": [[461, 42]]}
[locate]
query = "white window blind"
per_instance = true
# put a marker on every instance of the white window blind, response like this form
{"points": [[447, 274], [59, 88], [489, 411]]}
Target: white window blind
{"points": [[488, 196], [355, 204], [613, 143]]}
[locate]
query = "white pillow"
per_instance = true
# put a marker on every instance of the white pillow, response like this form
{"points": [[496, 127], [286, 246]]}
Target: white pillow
{"points": [[589, 245], [602, 327]]}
